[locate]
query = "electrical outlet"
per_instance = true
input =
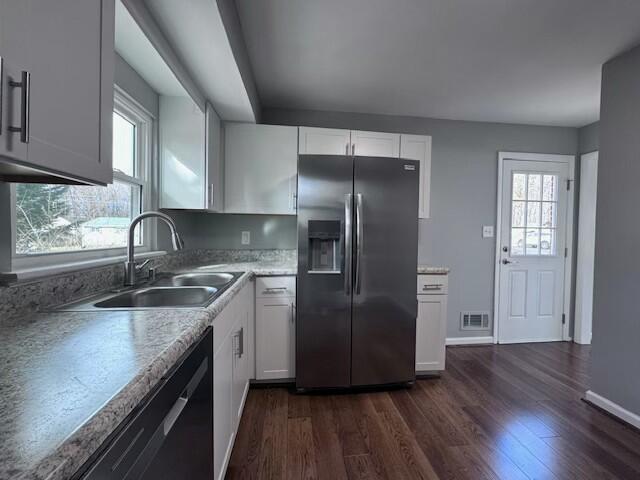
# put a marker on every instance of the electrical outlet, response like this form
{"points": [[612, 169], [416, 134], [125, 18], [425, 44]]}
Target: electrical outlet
{"points": [[246, 238], [487, 231]]}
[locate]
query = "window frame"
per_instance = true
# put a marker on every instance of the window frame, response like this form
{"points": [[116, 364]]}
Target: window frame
{"points": [[144, 177]]}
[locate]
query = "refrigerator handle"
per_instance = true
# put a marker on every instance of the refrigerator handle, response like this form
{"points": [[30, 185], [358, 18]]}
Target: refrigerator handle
{"points": [[359, 240], [348, 235]]}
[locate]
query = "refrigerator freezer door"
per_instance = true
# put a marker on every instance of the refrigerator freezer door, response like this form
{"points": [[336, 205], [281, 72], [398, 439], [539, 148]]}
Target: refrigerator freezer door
{"points": [[323, 333], [386, 255]]}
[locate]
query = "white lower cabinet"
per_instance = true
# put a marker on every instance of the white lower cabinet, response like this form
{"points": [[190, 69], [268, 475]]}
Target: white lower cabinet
{"points": [[431, 324], [231, 372], [275, 328]]}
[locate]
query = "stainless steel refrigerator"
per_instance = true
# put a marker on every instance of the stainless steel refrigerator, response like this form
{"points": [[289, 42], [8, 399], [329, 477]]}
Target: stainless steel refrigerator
{"points": [[357, 263]]}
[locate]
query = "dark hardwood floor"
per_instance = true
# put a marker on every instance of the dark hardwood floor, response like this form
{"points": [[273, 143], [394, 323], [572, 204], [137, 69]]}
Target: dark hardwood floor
{"points": [[498, 412]]}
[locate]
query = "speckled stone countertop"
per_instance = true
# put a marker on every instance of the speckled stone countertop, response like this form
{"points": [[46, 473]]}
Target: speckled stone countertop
{"points": [[70, 378]]}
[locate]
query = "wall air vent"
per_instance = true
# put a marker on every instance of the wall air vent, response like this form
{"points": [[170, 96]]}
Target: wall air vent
{"points": [[474, 321]]}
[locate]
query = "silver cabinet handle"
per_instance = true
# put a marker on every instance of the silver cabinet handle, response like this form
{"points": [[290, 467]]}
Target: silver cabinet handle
{"points": [[274, 289], [347, 149], [294, 202], [353, 149], [241, 342], [348, 201], [1, 92], [359, 240], [25, 86], [434, 286], [293, 312], [211, 198]]}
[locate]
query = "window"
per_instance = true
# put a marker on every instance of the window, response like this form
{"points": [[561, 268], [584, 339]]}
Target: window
{"points": [[534, 207], [58, 219]]}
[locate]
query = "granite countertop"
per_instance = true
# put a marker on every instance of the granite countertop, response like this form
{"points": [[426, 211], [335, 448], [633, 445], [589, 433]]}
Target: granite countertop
{"points": [[70, 378]]}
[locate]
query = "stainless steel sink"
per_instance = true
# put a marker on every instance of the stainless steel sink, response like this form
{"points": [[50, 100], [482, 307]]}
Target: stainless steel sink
{"points": [[168, 290], [216, 280], [162, 297]]}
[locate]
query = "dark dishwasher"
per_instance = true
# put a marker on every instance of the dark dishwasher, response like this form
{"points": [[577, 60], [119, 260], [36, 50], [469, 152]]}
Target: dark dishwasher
{"points": [[170, 436]]}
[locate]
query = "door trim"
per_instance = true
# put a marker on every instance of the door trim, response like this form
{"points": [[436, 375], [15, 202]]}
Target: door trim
{"points": [[585, 251], [568, 261]]}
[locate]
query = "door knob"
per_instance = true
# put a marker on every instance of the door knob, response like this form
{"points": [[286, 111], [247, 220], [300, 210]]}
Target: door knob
{"points": [[506, 262]]}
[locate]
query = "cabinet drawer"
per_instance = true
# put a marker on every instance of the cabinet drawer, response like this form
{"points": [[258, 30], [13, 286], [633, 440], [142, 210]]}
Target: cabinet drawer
{"points": [[433, 284], [268, 287]]}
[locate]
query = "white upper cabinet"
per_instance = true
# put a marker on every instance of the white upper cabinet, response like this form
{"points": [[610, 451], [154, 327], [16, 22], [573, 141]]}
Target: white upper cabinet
{"points": [[190, 155], [182, 153], [324, 141], [418, 147], [375, 144], [333, 141], [62, 104], [260, 170]]}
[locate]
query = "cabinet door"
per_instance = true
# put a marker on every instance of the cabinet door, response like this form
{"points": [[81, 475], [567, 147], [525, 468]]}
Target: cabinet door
{"points": [[182, 153], [70, 58], [261, 164], [223, 415], [214, 180], [418, 147], [375, 144], [324, 141], [275, 338], [431, 333]]}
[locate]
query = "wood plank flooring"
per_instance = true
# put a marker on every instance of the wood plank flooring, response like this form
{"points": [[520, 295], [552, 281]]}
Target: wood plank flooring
{"points": [[498, 412]]}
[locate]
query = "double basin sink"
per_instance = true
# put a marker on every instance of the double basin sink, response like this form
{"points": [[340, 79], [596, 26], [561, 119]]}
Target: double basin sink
{"points": [[182, 290]]}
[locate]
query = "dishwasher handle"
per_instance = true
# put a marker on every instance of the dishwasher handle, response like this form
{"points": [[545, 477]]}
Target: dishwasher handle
{"points": [[161, 433]]}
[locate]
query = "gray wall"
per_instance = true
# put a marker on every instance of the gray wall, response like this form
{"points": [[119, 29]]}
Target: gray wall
{"points": [[223, 231], [588, 138], [615, 356], [463, 191], [132, 83]]}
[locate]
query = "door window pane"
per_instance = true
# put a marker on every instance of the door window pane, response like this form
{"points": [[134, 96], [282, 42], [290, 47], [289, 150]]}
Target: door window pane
{"points": [[534, 204], [517, 214], [517, 241], [548, 214], [519, 186], [124, 145], [547, 241], [549, 187], [533, 189], [533, 214]]}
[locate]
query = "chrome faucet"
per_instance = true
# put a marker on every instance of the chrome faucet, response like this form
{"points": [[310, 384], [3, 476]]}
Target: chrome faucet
{"points": [[131, 268]]}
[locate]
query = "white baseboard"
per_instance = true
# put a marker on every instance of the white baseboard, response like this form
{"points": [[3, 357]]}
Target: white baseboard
{"points": [[613, 408], [469, 341]]}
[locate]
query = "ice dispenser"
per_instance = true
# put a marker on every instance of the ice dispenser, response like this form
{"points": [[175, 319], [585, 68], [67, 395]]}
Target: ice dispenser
{"points": [[325, 255]]}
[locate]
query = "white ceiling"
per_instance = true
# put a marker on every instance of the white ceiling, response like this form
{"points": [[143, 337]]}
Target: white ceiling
{"points": [[513, 61]]}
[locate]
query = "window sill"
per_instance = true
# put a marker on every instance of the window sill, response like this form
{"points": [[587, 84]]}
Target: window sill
{"points": [[31, 274]]}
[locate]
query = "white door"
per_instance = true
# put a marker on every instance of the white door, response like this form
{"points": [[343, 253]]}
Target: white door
{"points": [[586, 247], [324, 141], [532, 251], [375, 144]]}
